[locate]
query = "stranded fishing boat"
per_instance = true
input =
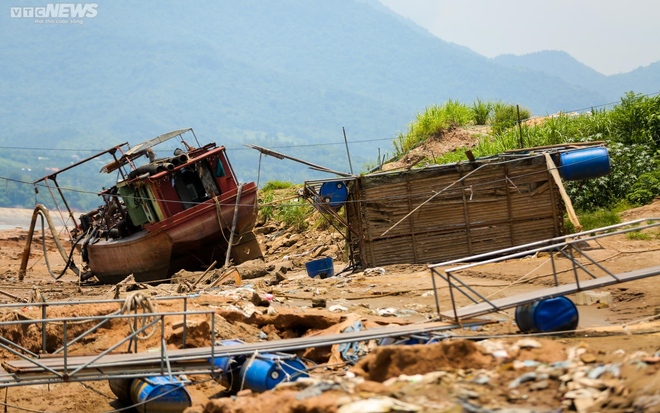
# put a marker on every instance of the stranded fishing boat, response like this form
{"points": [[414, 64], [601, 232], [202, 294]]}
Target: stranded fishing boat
{"points": [[184, 211]]}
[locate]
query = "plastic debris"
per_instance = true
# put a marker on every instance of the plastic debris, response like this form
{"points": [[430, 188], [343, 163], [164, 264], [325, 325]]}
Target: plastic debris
{"points": [[350, 352], [372, 272], [378, 405]]}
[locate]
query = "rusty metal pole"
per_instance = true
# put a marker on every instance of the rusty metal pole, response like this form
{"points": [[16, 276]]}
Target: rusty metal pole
{"points": [[522, 144], [233, 224], [28, 245], [348, 153]]}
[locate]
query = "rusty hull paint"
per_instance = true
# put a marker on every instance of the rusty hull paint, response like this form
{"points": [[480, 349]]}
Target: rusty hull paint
{"points": [[191, 240]]}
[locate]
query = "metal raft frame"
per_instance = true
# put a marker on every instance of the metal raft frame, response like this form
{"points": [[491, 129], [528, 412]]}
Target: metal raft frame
{"points": [[62, 367], [567, 246], [32, 369]]}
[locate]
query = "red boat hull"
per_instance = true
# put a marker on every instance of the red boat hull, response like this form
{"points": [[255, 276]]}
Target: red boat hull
{"points": [[189, 240]]}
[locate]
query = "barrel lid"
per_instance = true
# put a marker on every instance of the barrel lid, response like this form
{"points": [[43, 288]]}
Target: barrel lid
{"points": [[334, 193]]}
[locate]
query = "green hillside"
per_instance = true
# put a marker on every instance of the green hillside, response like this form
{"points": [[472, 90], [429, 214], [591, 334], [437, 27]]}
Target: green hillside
{"points": [[286, 75]]}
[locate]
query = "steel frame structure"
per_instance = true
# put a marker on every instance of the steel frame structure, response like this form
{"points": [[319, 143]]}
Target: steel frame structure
{"points": [[31, 369], [567, 246]]}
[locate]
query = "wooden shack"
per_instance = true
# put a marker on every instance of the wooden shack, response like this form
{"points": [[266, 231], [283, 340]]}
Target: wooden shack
{"points": [[444, 212]]}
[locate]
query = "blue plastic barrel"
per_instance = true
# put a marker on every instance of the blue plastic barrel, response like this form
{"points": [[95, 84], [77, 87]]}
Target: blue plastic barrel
{"points": [[586, 163], [160, 394], [230, 367], [334, 193], [323, 267], [265, 371], [547, 316], [122, 389]]}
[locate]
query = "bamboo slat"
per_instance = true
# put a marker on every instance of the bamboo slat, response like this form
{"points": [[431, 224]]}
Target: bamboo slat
{"points": [[449, 211]]}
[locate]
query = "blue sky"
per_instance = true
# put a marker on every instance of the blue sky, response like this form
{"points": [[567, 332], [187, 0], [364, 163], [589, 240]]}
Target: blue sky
{"points": [[610, 36]]}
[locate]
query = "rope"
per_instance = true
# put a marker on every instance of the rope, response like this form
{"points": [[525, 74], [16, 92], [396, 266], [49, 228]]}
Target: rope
{"points": [[249, 364], [134, 303]]}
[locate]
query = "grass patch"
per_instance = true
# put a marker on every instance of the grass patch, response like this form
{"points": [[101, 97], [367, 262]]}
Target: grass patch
{"points": [[431, 123], [294, 213], [638, 235], [592, 220], [279, 202], [274, 185]]}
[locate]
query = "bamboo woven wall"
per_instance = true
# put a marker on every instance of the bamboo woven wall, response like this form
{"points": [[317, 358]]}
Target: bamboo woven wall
{"points": [[468, 208]]}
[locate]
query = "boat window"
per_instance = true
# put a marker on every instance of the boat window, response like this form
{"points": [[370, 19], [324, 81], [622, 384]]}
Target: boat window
{"points": [[219, 169], [189, 187], [210, 186]]}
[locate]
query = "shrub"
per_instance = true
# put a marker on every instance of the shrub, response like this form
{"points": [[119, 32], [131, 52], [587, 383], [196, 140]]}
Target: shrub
{"points": [[645, 189], [456, 113], [481, 112], [266, 209], [636, 120], [294, 214], [505, 116], [268, 206], [627, 164]]}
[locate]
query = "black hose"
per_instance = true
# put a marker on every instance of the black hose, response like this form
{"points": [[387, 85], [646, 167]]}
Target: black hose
{"points": [[69, 261]]}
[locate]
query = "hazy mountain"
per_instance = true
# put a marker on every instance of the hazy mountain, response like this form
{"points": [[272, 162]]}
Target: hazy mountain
{"points": [[563, 66], [558, 64], [284, 74]]}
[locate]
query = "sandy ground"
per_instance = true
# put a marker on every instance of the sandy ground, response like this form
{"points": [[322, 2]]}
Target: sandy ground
{"points": [[463, 373]]}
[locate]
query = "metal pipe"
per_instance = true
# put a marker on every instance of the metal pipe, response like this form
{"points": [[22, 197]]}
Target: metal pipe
{"points": [[66, 352], [83, 335], [348, 153], [66, 204], [130, 337], [185, 321], [11, 343], [233, 224], [550, 243], [43, 329]]}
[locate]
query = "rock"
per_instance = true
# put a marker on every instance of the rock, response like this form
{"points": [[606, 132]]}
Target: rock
{"points": [[540, 385], [588, 358], [259, 300], [593, 297], [527, 343], [582, 404], [283, 242], [371, 272], [318, 303], [320, 251], [264, 230], [252, 269], [282, 267], [243, 393], [531, 376]]}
